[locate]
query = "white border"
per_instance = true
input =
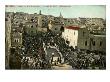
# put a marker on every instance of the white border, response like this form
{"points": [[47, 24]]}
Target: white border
{"points": [[52, 75]]}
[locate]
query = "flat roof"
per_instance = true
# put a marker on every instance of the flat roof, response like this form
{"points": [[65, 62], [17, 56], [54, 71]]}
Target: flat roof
{"points": [[73, 27]]}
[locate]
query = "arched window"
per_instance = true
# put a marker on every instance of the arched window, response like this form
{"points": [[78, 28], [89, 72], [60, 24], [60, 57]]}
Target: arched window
{"points": [[17, 40], [14, 40], [100, 43], [55, 28], [6, 19], [85, 43], [83, 33], [93, 43], [31, 26], [74, 33]]}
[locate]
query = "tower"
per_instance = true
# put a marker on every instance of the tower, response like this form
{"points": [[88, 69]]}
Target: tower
{"points": [[61, 15], [40, 19], [61, 19], [40, 12]]}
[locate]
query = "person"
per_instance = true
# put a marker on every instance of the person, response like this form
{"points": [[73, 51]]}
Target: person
{"points": [[26, 66], [18, 62], [58, 60], [55, 63], [11, 62]]}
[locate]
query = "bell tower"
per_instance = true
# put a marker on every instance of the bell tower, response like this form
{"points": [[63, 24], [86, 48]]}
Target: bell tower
{"points": [[40, 19], [61, 15], [40, 12]]}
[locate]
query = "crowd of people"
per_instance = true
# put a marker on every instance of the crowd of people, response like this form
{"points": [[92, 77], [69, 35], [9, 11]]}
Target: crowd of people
{"points": [[34, 55], [81, 59]]}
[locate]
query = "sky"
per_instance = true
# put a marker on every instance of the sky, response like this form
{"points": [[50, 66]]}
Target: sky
{"points": [[67, 11]]}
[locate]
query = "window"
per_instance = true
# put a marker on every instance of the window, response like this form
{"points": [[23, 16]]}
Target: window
{"points": [[32, 20], [104, 24], [83, 33], [6, 19], [31, 26], [74, 33], [100, 43], [93, 43], [85, 43], [16, 40], [62, 29], [93, 24], [55, 28]]}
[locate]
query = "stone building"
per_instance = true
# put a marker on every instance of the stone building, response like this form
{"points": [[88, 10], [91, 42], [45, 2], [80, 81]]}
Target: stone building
{"points": [[31, 28], [98, 43], [16, 39], [18, 22], [71, 22], [56, 24], [19, 17], [8, 18], [78, 37], [81, 38], [42, 22], [32, 18], [93, 23]]}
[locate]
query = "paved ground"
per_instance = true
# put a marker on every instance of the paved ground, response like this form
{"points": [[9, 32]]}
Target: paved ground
{"points": [[62, 67]]}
